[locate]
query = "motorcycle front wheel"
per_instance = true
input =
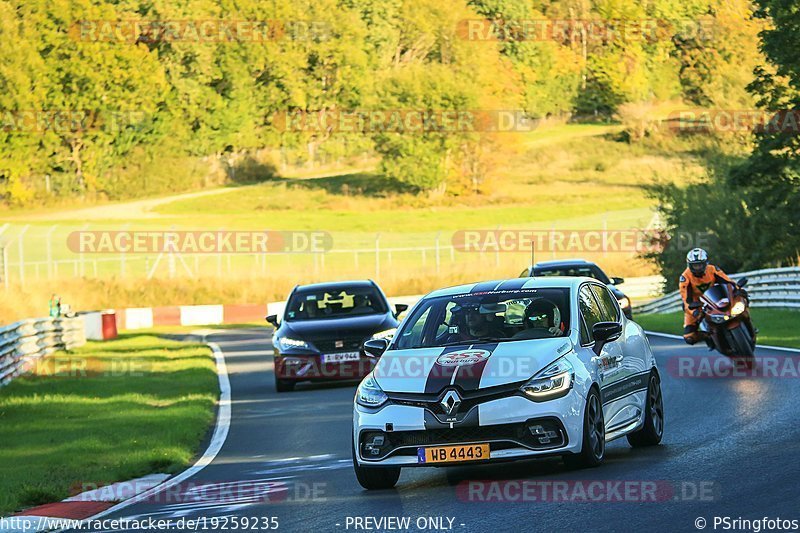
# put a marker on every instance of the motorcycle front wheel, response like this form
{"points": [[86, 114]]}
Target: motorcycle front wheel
{"points": [[742, 345]]}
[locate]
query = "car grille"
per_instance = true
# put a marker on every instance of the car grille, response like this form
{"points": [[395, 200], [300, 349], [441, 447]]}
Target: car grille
{"points": [[350, 344], [500, 436]]}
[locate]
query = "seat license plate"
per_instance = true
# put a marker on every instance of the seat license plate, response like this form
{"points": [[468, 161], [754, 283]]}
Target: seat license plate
{"points": [[340, 357]]}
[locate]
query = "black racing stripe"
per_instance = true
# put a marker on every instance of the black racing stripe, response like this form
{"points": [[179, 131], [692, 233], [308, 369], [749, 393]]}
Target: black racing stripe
{"points": [[513, 284], [440, 376], [484, 286], [469, 377], [629, 385]]}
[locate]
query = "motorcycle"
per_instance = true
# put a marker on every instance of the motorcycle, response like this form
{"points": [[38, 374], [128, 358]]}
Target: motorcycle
{"points": [[724, 312]]}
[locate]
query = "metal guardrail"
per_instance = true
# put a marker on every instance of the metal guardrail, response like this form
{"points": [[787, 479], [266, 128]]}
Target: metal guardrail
{"points": [[772, 287], [23, 342]]}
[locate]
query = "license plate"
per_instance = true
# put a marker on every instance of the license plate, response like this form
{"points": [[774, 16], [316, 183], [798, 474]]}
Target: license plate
{"points": [[340, 357], [453, 454]]}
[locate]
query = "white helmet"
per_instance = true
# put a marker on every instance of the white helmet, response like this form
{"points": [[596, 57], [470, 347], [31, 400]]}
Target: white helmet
{"points": [[697, 261]]}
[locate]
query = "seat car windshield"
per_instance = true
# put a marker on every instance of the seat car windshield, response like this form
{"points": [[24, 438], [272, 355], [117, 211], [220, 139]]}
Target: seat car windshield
{"points": [[586, 271], [334, 303], [495, 316]]}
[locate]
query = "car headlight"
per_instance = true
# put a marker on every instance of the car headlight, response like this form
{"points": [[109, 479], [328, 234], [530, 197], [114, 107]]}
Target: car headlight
{"points": [[738, 308], [624, 302], [553, 382], [385, 334], [284, 343], [370, 394]]}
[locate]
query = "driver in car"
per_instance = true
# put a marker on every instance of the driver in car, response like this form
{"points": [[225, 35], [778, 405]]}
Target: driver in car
{"points": [[542, 320], [473, 324]]}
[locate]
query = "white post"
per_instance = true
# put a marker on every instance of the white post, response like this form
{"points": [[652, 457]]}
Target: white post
{"points": [[21, 250], [50, 250]]}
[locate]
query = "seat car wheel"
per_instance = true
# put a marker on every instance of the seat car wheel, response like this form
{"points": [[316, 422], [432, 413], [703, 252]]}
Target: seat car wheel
{"points": [[282, 385], [594, 435], [375, 478], [653, 429]]}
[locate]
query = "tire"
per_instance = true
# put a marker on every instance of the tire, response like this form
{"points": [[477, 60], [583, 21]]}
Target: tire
{"points": [[652, 431], [742, 345], [376, 477], [593, 449], [283, 385]]}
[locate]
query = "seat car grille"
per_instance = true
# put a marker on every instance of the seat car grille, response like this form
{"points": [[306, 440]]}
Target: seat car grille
{"points": [[350, 344]]}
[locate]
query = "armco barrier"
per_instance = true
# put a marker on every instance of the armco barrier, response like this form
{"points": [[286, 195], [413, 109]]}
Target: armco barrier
{"points": [[772, 287], [27, 340]]}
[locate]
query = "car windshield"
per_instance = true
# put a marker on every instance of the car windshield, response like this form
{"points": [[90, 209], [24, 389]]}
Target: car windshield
{"points": [[322, 303], [493, 316], [588, 271]]}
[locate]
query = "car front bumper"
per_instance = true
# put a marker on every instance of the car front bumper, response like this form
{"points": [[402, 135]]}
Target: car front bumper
{"points": [[504, 423]]}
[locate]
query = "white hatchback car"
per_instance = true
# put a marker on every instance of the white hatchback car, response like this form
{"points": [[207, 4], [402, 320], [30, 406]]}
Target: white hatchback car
{"points": [[505, 370]]}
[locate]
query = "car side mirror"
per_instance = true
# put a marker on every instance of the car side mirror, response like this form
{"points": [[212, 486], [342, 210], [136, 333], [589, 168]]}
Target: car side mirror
{"points": [[272, 319], [604, 332], [617, 281], [399, 308], [375, 347], [742, 282]]}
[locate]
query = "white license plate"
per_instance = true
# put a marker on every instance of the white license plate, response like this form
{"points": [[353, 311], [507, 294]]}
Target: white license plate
{"points": [[340, 357]]}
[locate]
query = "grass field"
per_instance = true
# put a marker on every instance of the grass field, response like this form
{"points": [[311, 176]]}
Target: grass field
{"points": [[777, 327], [105, 412], [568, 177]]}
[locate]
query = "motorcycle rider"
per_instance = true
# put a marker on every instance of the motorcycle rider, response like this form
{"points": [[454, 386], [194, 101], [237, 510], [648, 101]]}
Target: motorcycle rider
{"points": [[695, 280]]}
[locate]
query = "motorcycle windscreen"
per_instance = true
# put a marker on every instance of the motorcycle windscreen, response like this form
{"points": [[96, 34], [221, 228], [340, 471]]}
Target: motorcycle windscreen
{"points": [[716, 294]]}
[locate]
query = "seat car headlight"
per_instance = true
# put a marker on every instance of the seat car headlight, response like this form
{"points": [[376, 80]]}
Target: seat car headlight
{"points": [[285, 343], [370, 394], [553, 382], [738, 308], [624, 302], [385, 334]]}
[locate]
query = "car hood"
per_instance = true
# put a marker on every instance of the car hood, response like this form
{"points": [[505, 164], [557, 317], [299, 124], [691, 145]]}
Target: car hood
{"points": [[311, 330], [467, 366]]}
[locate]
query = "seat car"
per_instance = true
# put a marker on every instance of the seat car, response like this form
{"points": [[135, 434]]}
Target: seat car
{"points": [[580, 267], [506, 370], [323, 329]]}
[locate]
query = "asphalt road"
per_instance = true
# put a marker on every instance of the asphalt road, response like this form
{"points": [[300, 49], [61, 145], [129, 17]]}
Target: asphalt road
{"points": [[731, 448]]}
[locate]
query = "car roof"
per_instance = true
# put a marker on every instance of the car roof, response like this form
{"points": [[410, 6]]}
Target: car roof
{"points": [[562, 263], [513, 283], [335, 285]]}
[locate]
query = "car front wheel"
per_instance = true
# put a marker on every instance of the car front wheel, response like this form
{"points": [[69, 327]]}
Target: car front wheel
{"points": [[594, 435]]}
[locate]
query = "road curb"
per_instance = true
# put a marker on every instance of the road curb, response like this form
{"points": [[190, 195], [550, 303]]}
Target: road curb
{"points": [[765, 346]]}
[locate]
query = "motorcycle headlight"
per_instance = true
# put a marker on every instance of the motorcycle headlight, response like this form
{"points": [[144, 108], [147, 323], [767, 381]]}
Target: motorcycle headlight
{"points": [[553, 382], [370, 394], [385, 334], [624, 302], [284, 343], [738, 308]]}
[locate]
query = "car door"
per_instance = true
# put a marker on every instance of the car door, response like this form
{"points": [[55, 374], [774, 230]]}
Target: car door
{"points": [[624, 395], [608, 361]]}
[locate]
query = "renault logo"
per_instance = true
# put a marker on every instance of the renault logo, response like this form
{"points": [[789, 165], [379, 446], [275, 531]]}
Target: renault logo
{"points": [[450, 402]]}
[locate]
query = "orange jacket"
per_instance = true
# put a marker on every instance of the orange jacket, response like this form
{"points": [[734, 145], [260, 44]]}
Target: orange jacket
{"points": [[692, 286]]}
